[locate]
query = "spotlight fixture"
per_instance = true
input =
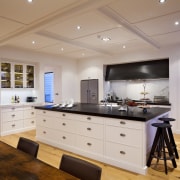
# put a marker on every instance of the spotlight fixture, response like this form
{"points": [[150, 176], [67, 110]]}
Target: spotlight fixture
{"points": [[105, 39], [162, 1], [78, 27], [176, 23], [29, 1]]}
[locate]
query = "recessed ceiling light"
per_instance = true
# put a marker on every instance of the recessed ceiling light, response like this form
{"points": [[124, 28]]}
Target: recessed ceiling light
{"points": [[78, 27], [83, 54], [33, 42], [124, 46], [176, 23], [29, 1], [162, 1], [105, 39], [62, 49]]}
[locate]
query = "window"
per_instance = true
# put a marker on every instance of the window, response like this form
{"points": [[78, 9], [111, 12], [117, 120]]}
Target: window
{"points": [[49, 87]]}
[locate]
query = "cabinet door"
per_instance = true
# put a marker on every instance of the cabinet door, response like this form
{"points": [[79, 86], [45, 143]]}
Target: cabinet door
{"points": [[5, 75], [18, 76], [29, 76]]}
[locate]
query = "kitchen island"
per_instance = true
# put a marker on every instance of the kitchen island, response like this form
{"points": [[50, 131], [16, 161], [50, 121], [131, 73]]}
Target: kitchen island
{"points": [[119, 138]]}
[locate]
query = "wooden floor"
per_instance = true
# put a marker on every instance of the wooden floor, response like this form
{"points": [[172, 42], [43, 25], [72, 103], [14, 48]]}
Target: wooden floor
{"points": [[52, 156]]}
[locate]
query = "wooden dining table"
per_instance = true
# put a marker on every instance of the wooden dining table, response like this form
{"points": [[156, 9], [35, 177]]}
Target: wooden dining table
{"points": [[17, 165]]}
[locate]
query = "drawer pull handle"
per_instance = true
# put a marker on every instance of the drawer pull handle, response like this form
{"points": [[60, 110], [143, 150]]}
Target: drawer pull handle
{"points": [[44, 112], [122, 152], [32, 122], [122, 135], [13, 115], [13, 108], [89, 129], [13, 125], [32, 113], [44, 132], [89, 144], [44, 120], [122, 122], [88, 118], [63, 114], [64, 124], [64, 137]]}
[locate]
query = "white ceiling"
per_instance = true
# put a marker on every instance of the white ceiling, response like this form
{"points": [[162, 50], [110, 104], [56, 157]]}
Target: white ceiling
{"points": [[137, 24]]}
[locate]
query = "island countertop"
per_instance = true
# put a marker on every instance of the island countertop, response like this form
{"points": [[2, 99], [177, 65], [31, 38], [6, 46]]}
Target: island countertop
{"points": [[110, 112]]}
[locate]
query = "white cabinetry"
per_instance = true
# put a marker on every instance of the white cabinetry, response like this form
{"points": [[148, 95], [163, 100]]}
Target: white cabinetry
{"points": [[119, 142], [17, 75], [16, 119], [79, 133], [124, 142]]}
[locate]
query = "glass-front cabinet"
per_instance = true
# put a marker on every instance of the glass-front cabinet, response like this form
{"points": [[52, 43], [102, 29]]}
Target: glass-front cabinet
{"points": [[18, 76], [5, 75], [29, 76], [14, 75]]}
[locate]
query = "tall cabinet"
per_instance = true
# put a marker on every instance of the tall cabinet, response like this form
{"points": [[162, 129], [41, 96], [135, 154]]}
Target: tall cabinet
{"points": [[89, 91]]}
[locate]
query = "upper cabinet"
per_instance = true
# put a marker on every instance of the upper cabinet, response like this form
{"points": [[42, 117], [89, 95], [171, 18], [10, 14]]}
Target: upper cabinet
{"points": [[5, 75], [17, 75], [29, 76]]}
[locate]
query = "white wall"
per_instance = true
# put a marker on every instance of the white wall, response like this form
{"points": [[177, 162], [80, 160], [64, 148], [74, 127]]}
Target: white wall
{"points": [[68, 75]]}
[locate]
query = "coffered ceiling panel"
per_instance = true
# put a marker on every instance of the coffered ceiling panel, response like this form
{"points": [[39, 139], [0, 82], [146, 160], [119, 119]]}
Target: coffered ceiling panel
{"points": [[141, 10], [90, 23], [24, 12], [160, 25], [8, 26], [168, 39], [33, 41], [61, 48], [117, 35]]}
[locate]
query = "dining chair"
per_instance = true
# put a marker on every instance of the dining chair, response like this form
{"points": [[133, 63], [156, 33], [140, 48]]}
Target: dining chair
{"points": [[80, 168], [28, 146]]}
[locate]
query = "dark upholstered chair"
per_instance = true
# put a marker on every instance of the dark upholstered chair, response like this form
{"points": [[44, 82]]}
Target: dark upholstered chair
{"points": [[79, 168], [28, 146]]}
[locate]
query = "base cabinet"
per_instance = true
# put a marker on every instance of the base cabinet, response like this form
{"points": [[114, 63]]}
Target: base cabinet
{"points": [[118, 142], [16, 119]]}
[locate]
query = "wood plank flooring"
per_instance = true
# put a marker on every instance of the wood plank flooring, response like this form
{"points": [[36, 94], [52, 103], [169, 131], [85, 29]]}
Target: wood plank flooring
{"points": [[52, 156]]}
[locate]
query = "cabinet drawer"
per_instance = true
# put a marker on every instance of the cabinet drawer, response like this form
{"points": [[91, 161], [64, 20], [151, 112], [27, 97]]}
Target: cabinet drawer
{"points": [[47, 113], [124, 153], [12, 109], [90, 129], [47, 133], [31, 122], [67, 138], [9, 126], [132, 137], [124, 123], [11, 116], [90, 144], [29, 113], [91, 119]]}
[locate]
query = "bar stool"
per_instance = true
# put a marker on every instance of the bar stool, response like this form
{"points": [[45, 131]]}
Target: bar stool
{"points": [[158, 148], [171, 137]]}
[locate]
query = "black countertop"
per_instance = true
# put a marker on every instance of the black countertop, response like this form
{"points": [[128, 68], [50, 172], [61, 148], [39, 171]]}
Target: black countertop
{"points": [[111, 112]]}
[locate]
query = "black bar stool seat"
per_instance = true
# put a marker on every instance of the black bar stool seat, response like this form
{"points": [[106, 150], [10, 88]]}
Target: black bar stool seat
{"points": [[161, 141], [171, 137]]}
